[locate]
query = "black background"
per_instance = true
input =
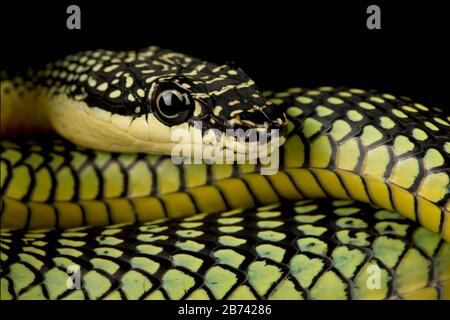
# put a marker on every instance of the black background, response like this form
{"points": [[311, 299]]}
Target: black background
{"points": [[280, 309], [278, 43]]}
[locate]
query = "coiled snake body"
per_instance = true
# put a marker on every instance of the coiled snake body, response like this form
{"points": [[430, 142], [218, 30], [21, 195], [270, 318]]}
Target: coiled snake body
{"points": [[138, 226]]}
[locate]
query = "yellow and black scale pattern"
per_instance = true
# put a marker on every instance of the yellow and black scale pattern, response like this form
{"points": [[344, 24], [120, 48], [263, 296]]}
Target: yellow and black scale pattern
{"points": [[298, 250], [342, 144], [346, 144]]}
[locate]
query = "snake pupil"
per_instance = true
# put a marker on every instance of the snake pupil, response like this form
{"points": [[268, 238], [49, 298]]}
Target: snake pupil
{"points": [[171, 105]]}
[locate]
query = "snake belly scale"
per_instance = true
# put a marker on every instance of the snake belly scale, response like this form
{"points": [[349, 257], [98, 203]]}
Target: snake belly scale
{"points": [[107, 198]]}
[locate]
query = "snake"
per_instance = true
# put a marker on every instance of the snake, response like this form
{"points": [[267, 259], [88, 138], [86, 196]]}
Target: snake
{"points": [[94, 207]]}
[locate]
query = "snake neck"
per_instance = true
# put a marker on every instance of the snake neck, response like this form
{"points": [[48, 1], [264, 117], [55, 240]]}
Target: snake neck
{"points": [[23, 104]]}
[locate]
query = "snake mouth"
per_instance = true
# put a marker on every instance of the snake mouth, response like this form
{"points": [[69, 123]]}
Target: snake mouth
{"points": [[218, 146], [253, 141], [249, 133], [266, 122], [251, 145]]}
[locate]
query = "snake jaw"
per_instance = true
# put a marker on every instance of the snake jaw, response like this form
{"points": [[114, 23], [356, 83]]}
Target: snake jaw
{"points": [[265, 122]]}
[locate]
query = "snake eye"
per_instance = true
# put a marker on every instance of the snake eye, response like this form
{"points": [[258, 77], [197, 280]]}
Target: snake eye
{"points": [[172, 104]]}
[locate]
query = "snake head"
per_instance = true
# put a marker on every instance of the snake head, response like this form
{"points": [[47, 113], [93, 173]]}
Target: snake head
{"points": [[134, 101]]}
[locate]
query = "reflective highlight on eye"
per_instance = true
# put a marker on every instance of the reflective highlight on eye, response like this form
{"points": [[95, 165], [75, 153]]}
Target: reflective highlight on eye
{"points": [[172, 104]]}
